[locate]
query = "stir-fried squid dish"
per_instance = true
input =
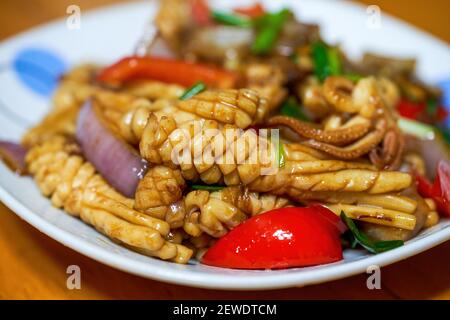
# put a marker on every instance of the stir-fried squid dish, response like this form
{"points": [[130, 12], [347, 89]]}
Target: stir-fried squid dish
{"points": [[243, 140]]}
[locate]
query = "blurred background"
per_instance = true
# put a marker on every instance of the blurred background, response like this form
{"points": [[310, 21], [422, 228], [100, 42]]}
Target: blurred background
{"points": [[19, 15], [33, 265]]}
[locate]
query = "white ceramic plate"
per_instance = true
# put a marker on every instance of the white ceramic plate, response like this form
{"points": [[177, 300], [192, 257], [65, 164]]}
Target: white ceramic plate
{"points": [[111, 33]]}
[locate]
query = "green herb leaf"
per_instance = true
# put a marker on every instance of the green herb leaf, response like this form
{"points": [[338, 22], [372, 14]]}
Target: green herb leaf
{"points": [[327, 60], [232, 19], [334, 60], [446, 136], [383, 246], [353, 77], [363, 240], [281, 155], [320, 59], [270, 26], [206, 187], [194, 90], [432, 107], [292, 109]]}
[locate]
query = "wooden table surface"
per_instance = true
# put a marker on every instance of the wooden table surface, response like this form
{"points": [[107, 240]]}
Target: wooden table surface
{"points": [[33, 266]]}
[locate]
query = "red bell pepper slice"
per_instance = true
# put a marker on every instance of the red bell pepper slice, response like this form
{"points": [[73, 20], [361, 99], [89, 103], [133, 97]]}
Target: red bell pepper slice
{"points": [[166, 70], [281, 238], [201, 12], [439, 191], [410, 109], [441, 113], [254, 11]]}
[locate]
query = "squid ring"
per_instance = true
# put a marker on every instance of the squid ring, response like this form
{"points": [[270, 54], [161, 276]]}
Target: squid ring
{"points": [[338, 93]]}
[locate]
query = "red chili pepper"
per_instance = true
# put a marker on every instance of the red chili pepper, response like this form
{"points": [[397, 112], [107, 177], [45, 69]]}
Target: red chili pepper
{"points": [[410, 109], [425, 187], [439, 191], [441, 113], [281, 238], [166, 70], [201, 12], [255, 11]]}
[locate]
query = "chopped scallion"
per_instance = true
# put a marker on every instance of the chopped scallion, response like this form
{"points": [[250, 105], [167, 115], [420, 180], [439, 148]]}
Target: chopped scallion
{"points": [[327, 60], [334, 60], [232, 19], [270, 26], [432, 107], [353, 77], [281, 155], [292, 109], [194, 90], [206, 187]]}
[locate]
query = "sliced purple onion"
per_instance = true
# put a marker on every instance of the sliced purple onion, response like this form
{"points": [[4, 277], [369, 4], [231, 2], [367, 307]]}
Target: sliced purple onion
{"points": [[13, 154], [432, 151], [159, 48], [151, 43], [115, 160]]}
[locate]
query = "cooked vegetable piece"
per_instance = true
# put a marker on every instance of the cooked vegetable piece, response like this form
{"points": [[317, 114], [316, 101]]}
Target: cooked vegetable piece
{"points": [[439, 191], [417, 129], [281, 238], [206, 187], [270, 26], [166, 70], [281, 155], [201, 12], [432, 107], [354, 77], [334, 61], [292, 109], [13, 155], [362, 239], [194, 90], [231, 19], [327, 61], [255, 11], [410, 110], [119, 163]]}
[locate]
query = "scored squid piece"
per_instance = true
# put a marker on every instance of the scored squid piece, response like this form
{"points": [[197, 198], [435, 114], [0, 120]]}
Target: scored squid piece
{"points": [[113, 214], [376, 215], [122, 230], [380, 232], [268, 81], [347, 180], [159, 195], [161, 137], [240, 107], [58, 121], [387, 201], [154, 90], [99, 195], [73, 184], [217, 212], [132, 123]]}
